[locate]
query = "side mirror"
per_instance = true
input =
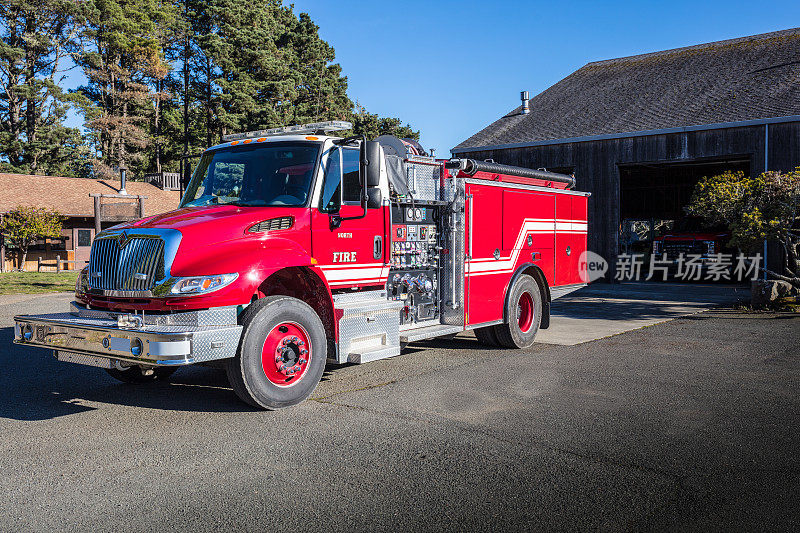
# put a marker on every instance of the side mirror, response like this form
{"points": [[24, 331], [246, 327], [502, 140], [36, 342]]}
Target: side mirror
{"points": [[374, 198], [371, 161]]}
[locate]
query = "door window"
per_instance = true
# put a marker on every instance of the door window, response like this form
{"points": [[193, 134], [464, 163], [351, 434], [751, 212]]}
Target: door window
{"points": [[342, 182], [352, 183], [331, 189]]}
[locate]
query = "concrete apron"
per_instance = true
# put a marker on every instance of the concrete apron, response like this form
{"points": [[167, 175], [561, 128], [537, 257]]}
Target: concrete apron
{"points": [[603, 309]]}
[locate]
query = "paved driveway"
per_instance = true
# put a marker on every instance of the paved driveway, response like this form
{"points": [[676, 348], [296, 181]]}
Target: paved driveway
{"points": [[690, 423]]}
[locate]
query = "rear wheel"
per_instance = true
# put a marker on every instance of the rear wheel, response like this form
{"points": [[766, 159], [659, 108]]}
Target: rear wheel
{"points": [[524, 313], [137, 374], [281, 355]]}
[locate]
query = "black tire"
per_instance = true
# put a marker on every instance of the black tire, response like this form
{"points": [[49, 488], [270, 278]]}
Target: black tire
{"points": [[487, 336], [246, 373], [511, 334], [134, 374]]}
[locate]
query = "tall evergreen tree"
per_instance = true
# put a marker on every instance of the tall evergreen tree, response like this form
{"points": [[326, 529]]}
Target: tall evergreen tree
{"points": [[168, 77], [319, 90], [36, 38], [372, 125], [169, 29], [259, 66], [123, 54]]}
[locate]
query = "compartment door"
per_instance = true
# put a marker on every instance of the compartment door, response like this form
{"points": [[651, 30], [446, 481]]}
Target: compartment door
{"points": [[484, 284], [570, 238], [529, 229]]}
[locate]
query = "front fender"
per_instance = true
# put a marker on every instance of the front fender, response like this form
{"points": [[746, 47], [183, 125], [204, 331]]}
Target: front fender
{"points": [[253, 259]]}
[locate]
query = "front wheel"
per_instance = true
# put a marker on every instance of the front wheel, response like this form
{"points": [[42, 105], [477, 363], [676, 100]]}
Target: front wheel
{"points": [[524, 314], [281, 355]]}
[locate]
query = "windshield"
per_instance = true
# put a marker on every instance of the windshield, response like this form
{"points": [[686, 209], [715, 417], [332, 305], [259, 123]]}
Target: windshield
{"points": [[275, 174]]}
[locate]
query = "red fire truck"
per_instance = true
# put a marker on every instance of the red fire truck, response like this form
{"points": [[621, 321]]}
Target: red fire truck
{"points": [[292, 248]]}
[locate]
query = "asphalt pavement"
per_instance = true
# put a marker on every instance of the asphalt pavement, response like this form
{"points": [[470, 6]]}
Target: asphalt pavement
{"points": [[687, 424]]}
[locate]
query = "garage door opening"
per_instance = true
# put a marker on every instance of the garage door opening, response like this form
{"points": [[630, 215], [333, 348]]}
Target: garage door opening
{"points": [[653, 197]]}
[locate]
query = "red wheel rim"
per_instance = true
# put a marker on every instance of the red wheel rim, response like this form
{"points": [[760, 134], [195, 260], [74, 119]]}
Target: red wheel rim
{"points": [[286, 354], [525, 312]]}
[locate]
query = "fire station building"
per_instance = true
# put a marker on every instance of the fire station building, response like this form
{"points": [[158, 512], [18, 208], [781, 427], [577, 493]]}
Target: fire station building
{"points": [[639, 132]]}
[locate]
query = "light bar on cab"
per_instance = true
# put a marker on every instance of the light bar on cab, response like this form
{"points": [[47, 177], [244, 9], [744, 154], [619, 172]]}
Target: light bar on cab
{"points": [[314, 127]]}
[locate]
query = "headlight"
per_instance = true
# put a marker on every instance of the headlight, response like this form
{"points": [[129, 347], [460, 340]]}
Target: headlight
{"points": [[201, 284]]}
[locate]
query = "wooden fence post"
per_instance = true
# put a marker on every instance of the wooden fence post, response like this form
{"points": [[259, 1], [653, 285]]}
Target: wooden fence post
{"points": [[97, 209]]}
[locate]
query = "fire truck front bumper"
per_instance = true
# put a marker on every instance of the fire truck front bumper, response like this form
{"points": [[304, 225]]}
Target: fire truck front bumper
{"points": [[104, 338]]}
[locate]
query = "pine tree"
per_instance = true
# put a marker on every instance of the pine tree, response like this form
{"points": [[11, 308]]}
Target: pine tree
{"points": [[36, 37], [168, 77], [123, 54], [320, 90], [372, 125], [169, 28]]}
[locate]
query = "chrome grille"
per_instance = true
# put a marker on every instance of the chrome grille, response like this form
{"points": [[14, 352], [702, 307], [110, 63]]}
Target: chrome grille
{"points": [[135, 266], [683, 247]]}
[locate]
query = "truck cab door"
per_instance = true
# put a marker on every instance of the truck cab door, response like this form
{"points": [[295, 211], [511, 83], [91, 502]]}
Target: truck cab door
{"points": [[351, 253]]}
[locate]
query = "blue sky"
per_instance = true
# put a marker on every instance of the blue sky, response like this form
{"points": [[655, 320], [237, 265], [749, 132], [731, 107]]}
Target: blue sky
{"points": [[449, 68]]}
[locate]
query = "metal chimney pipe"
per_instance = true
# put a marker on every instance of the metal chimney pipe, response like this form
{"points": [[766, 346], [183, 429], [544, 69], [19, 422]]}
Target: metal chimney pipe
{"points": [[525, 107], [122, 180]]}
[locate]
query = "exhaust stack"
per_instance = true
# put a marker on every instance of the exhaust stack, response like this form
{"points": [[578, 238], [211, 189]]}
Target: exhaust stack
{"points": [[525, 107], [122, 180]]}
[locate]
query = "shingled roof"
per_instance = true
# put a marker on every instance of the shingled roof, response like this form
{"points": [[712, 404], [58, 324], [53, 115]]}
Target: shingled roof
{"points": [[747, 78], [70, 196]]}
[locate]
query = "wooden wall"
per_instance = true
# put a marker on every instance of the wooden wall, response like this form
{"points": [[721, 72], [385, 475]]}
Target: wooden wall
{"points": [[596, 163]]}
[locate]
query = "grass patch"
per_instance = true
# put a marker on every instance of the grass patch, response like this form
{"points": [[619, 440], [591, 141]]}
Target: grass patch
{"points": [[37, 282]]}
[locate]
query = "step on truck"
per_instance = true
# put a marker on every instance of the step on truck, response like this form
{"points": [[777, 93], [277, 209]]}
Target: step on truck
{"points": [[293, 248]]}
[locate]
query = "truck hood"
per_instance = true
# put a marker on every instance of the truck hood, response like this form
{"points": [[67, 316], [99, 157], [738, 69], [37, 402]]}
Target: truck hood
{"points": [[212, 224]]}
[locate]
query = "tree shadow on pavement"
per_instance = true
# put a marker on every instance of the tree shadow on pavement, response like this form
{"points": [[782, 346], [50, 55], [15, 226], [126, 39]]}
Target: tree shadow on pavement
{"points": [[35, 386]]}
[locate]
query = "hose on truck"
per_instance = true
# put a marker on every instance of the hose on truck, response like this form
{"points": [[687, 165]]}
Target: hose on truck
{"points": [[471, 166]]}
